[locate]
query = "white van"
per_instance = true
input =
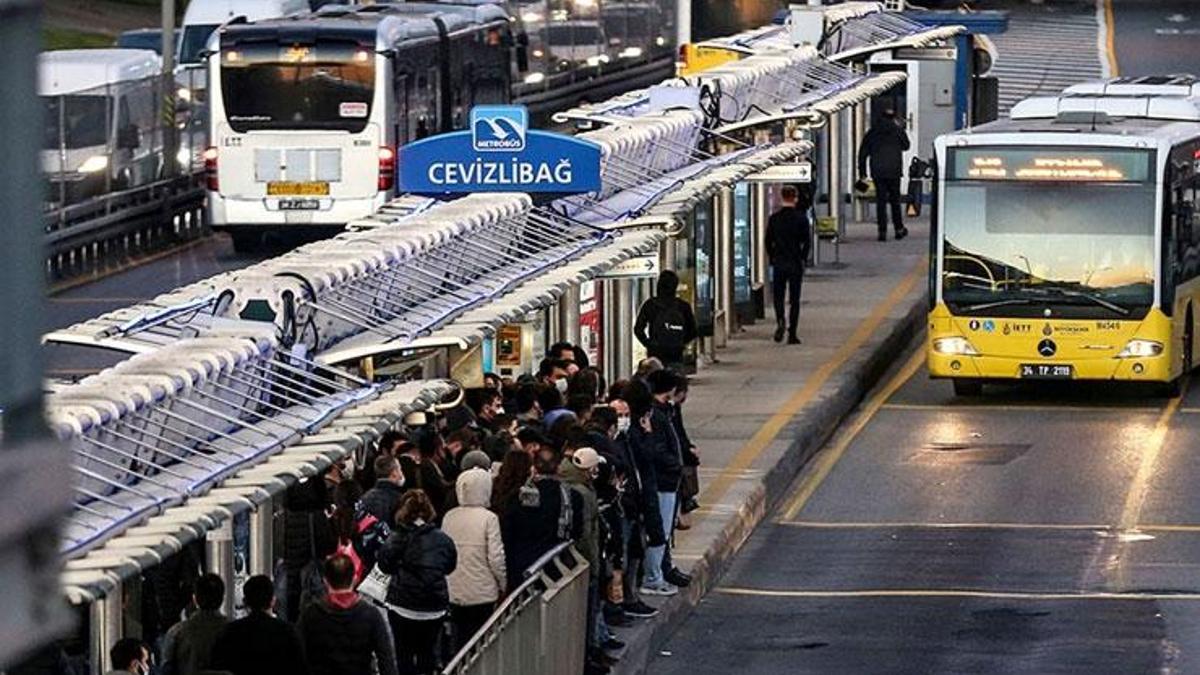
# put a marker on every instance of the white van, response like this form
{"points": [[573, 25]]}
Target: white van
{"points": [[102, 130], [205, 16]]}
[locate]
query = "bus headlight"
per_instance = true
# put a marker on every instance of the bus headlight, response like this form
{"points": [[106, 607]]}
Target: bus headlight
{"points": [[1139, 348], [93, 164], [955, 346]]}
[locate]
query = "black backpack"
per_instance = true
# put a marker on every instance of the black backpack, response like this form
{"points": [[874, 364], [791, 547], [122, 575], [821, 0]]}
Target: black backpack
{"points": [[668, 326]]}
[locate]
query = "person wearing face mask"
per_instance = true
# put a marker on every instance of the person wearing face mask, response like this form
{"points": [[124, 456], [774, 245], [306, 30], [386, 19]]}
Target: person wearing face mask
{"points": [[381, 500], [129, 656], [640, 499], [552, 370]]}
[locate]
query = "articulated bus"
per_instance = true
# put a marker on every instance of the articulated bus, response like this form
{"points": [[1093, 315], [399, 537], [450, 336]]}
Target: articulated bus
{"points": [[306, 112], [1064, 244]]}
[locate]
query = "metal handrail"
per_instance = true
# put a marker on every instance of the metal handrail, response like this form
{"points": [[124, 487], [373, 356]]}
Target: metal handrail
{"points": [[537, 585]]}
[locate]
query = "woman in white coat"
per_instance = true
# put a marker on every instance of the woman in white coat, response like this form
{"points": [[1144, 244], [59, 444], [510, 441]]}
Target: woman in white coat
{"points": [[478, 580]]}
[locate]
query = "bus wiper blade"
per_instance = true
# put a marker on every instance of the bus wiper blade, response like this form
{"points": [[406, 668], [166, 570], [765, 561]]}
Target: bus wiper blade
{"points": [[997, 303], [1123, 311]]}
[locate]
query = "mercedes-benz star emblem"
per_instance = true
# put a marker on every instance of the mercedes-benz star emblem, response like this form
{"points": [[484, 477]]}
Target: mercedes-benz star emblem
{"points": [[1047, 348]]}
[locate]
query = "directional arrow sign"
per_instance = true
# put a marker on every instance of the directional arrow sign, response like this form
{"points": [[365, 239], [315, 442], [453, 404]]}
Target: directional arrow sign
{"points": [[641, 266]]}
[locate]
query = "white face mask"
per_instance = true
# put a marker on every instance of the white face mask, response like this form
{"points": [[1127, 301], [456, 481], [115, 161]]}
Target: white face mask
{"points": [[623, 424], [500, 410], [561, 385]]}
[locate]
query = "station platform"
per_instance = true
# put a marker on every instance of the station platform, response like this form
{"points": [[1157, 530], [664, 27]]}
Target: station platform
{"points": [[764, 408]]}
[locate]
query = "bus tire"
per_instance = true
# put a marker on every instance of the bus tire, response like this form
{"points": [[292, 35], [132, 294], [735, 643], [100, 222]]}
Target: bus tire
{"points": [[245, 241], [964, 387]]}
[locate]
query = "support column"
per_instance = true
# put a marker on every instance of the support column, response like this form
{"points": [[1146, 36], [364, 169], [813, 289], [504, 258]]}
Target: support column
{"points": [[835, 168], [758, 247], [624, 317], [568, 316], [262, 540], [169, 129], [218, 558], [859, 120], [105, 629], [683, 22], [725, 312]]}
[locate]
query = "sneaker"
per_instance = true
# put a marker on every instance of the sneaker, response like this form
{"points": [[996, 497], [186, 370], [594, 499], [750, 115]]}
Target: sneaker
{"points": [[779, 333], [793, 340], [901, 233], [883, 236], [676, 577], [660, 588], [640, 610], [617, 617], [612, 644]]}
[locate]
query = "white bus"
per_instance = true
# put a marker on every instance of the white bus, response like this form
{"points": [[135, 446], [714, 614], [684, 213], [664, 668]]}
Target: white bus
{"points": [[306, 112]]}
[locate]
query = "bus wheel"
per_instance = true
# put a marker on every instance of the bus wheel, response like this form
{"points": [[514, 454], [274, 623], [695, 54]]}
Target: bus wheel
{"points": [[245, 241], [968, 387]]}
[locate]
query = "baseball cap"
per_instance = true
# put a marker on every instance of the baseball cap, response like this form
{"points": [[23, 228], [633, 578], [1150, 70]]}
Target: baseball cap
{"points": [[587, 458]]}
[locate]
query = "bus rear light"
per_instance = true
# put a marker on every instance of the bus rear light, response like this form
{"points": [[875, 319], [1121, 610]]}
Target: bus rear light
{"points": [[210, 169], [387, 168]]}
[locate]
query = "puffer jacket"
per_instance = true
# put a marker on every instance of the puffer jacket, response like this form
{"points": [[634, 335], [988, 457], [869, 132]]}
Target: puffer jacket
{"points": [[418, 557], [589, 540], [479, 577]]}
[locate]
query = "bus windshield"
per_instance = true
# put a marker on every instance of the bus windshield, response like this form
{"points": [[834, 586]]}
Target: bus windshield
{"points": [[269, 86], [84, 120], [1042, 230], [193, 41]]}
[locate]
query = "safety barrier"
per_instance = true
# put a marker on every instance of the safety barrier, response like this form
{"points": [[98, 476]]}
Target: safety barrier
{"points": [[540, 628]]}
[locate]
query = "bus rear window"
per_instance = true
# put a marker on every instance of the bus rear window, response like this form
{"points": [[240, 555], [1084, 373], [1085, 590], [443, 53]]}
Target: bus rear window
{"points": [[324, 86]]}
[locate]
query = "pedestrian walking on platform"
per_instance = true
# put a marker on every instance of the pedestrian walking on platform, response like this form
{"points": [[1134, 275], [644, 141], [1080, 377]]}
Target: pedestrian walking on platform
{"points": [[342, 633], [260, 643], [187, 649], [665, 323], [788, 239], [884, 146]]}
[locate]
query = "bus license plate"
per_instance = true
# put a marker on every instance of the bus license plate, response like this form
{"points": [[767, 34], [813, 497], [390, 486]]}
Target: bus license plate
{"points": [[298, 188], [299, 204], [1045, 371]]}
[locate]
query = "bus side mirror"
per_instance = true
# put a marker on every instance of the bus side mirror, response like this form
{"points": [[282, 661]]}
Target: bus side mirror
{"points": [[128, 137]]}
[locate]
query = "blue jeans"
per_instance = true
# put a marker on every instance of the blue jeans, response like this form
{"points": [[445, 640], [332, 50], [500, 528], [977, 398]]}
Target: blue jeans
{"points": [[654, 554]]}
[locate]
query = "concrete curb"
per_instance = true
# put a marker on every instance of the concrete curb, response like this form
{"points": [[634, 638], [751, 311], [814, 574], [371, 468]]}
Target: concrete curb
{"points": [[811, 429]]}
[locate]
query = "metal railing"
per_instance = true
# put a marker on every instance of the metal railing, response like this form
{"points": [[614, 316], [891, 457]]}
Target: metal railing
{"points": [[540, 627], [112, 192]]}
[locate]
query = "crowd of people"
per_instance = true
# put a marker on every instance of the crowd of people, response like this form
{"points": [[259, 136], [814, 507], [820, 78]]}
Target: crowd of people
{"points": [[393, 561]]}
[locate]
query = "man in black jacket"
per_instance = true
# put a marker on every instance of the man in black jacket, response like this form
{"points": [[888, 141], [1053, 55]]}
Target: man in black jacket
{"points": [[665, 324], [187, 649], [381, 500], [885, 144], [545, 513], [667, 459], [342, 632], [259, 644], [788, 241]]}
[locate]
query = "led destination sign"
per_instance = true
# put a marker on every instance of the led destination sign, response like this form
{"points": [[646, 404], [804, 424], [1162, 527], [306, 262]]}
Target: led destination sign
{"points": [[1050, 164]]}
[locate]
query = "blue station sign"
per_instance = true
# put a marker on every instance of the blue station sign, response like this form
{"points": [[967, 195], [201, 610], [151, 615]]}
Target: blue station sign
{"points": [[500, 153]]}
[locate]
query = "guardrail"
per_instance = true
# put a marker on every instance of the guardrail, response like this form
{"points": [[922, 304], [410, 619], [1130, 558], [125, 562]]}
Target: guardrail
{"points": [[87, 236], [540, 627]]}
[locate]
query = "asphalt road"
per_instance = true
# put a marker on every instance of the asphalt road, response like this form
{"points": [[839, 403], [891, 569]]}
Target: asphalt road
{"points": [[1034, 530]]}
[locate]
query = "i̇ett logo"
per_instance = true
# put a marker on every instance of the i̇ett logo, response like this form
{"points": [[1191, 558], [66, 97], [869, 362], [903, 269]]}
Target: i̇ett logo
{"points": [[499, 128]]}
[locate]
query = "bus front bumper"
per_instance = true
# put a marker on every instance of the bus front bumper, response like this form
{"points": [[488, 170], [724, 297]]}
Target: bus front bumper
{"points": [[984, 367]]}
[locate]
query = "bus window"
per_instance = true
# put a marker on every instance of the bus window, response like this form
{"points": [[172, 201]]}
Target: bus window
{"points": [[193, 41], [326, 86]]}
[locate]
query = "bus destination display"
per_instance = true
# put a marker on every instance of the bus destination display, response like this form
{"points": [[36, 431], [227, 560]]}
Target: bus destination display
{"points": [[1050, 164]]}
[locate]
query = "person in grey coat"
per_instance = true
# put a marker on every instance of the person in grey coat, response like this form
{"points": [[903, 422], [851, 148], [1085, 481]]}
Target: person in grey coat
{"points": [[187, 648]]}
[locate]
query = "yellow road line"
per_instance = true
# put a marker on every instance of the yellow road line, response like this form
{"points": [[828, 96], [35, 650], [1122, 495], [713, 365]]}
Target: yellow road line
{"points": [[1151, 448], [953, 593], [829, 458], [758, 443], [967, 407], [941, 526], [1110, 39]]}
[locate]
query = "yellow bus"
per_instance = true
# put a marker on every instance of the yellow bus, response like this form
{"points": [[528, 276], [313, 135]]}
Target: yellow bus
{"points": [[1064, 244]]}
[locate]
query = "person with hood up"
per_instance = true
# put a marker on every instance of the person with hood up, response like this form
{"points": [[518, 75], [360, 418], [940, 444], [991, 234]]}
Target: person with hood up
{"points": [[478, 580], [665, 324], [418, 556], [342, 633]]}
